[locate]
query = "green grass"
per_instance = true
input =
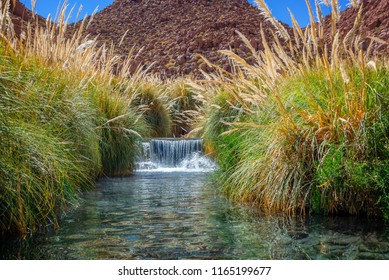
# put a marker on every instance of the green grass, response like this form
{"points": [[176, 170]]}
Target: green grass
{"points": [[313, 145], [56, 139], [67, 117], [303, 130], [183, 106], [149, 98]]}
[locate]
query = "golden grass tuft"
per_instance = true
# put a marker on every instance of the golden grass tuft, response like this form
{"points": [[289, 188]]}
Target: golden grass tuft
{"points": [[67, 117], [294, 131]]}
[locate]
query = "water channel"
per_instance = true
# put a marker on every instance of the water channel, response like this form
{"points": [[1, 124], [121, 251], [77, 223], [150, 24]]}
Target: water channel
{"points": [[171, 209]]}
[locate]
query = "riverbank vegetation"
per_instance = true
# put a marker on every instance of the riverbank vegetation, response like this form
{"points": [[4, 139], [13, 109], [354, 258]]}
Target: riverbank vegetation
{"points": [[65, 119], [304, 129]]}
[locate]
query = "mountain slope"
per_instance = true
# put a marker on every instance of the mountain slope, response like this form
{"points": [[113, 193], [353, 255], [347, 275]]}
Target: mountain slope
{"points": [[21, 16], [174, 33], [375, 23]]}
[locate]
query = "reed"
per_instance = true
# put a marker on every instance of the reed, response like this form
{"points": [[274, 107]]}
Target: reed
{"points": [[47, 149], [67, 117], [299, 130], [150, 98], [183, 104]]}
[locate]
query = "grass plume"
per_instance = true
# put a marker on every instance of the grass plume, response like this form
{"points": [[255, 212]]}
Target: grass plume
{"points": [[305, 127], [67, 118]]}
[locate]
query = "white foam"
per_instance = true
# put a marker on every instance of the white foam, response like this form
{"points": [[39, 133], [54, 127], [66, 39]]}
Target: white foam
{"points": [[195, 162]]}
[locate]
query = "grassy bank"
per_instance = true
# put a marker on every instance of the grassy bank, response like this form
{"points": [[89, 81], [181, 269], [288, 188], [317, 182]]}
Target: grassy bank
{"points": [[305, 129], [71, 110], [65, 119], [56, 139]]}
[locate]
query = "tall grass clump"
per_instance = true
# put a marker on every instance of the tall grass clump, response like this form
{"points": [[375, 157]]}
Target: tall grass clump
{"points": [[305, 128], [49, 149], [66, 118], [149, 97], [183, 104], [121, 127]]}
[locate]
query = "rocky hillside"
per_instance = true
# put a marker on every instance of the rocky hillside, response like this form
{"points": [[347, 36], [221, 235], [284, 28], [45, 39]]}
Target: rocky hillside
{"points": [[21, 16], [375, 22], [175, 33]]}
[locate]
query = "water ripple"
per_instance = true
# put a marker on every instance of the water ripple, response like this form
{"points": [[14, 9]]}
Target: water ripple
{"points": [[182, 216]]}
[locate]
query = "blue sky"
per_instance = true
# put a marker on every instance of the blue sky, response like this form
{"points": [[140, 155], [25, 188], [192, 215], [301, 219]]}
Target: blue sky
{"points": [[278, 7]]}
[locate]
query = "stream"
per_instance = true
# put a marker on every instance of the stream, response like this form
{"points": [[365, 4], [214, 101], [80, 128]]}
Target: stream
{"points": [[171, 209]]}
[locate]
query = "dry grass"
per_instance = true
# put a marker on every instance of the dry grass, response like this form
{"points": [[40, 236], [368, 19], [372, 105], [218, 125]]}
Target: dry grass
{"points": [[66, 118], [288, 129]]}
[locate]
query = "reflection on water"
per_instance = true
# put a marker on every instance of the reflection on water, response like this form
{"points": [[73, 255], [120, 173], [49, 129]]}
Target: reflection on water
{"points": [[182, 216]]}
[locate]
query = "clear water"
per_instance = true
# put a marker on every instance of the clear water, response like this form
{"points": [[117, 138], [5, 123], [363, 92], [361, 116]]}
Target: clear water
{"points": [[181, 215]]}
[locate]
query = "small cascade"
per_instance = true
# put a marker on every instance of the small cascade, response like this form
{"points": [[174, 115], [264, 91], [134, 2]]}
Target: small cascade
{"points": [[170, 152], [173, 154]]}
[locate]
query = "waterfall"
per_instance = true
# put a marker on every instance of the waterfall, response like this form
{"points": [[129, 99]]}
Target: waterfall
{"points": [[173, 154]]}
